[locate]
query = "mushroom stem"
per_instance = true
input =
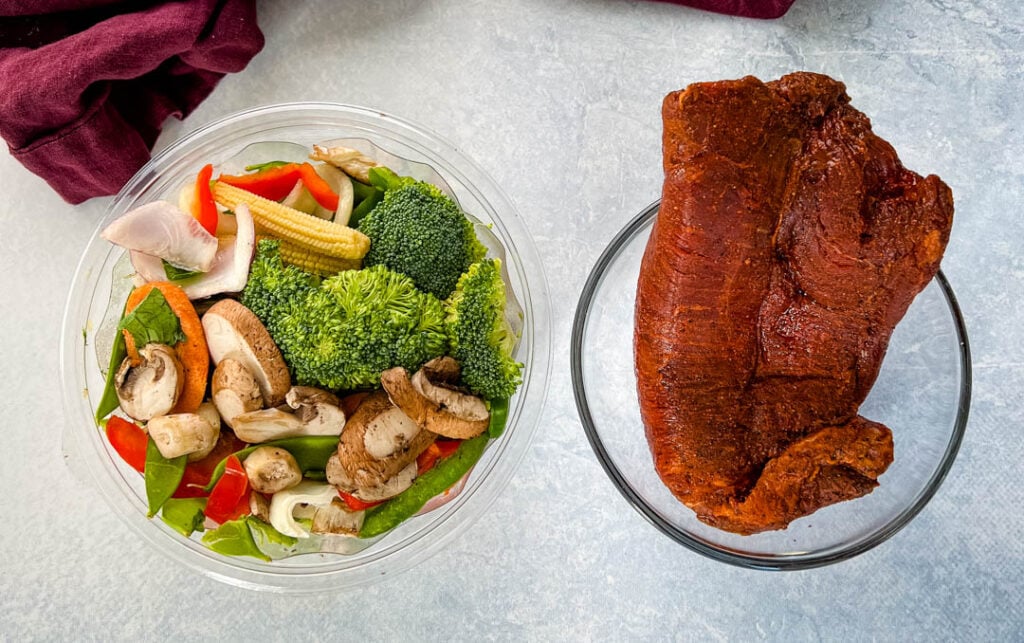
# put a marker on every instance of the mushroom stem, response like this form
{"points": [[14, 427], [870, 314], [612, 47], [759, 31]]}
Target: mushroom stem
{"points": [[182, 433]]}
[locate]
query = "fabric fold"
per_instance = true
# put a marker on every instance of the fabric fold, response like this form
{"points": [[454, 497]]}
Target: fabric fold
{"points": [[86, 91]]}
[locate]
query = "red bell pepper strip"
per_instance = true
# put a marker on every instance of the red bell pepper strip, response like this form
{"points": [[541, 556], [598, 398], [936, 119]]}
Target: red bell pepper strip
{"points": [[438, 450], [276, 182], [197, 474], [355, 504], [204, 209], [129, 440], [273, 183], [318, 188], [229, 498]]}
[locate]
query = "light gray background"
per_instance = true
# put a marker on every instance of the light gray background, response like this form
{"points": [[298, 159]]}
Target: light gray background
{"points": [[559, 101]]}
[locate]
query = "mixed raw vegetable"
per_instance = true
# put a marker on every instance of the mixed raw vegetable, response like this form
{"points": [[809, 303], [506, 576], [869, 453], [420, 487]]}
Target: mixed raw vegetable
{"points": [[314, 352]]}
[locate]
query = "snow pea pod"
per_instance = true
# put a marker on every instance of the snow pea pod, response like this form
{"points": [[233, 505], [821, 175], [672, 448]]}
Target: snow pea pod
{"points": [[310, 453], [234, 538], [368, 203], [162, 476], [447, 472], [184, 515], [499, 417]]}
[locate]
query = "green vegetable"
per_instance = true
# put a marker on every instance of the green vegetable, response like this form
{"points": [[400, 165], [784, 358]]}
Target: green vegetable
{"points": [[162, 476], [419, 231], [385, 179], [447, 472], [234, 538], [365, 206], [274, 287], [361, 191], [364, 198], [184, 515], [109, 401], [499, 417], [264, 533], [175, 273], [481, 338], [151, 321], [342, 333], [259, 167], [310, 452]]}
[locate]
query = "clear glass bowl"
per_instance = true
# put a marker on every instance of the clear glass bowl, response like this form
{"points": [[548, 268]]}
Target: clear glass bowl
{"points": [[102, 282], [923, 393]]}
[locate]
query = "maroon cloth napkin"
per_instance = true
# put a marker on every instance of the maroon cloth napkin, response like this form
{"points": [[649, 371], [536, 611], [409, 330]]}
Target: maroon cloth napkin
{"points": [[745, 8], [86, 85]]}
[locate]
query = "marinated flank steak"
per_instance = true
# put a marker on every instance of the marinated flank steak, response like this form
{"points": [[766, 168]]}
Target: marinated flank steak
{"points": [[789, 243]]}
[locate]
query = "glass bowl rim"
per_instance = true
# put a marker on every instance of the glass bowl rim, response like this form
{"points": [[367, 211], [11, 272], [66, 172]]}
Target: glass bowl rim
{"points": [[753, 561], [447, 160]]}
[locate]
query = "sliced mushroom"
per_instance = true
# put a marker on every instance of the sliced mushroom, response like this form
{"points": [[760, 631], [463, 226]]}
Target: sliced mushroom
{"points": [[336, 474], [272, 469], [379, 441], [234, 390], [389, 433], [208, 412], [319, 411], [183, 433], [266, 424], [395, 485], [152, 387], [259, 506], [316, 413], [337, 518], [234, 331], [432, 402]]}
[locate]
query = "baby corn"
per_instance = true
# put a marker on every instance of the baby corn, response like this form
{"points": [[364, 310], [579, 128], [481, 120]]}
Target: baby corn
{"points": [[297, 228], [312, 261]]}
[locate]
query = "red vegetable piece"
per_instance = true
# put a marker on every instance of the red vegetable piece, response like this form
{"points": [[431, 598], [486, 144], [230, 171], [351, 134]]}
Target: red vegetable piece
{"points": [[318, 188], [355, 504], [272, 183], [197, 474], [439, 450], [229, 498], [204, 207], [129, 440]]}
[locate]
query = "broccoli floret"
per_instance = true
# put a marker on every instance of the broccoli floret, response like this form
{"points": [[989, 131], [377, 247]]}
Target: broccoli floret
{"points": [[273, 286], [419, 231], [357, 324], [481, 338], [342, 332]]}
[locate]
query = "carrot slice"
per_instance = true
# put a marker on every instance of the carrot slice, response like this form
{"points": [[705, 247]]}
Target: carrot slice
{"points": [[192, 353]]}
